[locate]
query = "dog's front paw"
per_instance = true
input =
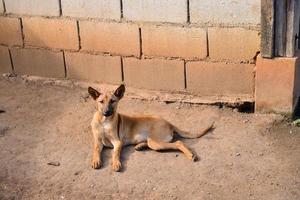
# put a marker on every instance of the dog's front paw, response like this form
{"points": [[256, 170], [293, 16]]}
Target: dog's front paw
{"points": [[116, 166], [96, 163]]}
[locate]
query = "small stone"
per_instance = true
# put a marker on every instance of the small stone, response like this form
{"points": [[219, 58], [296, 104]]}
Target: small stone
{"points": [[176, 155], [237, 154], [77, 173], [296, 122], [245, 121], [3, 130], [154, 98], [56, 164], [261, 154], [84, 97]]}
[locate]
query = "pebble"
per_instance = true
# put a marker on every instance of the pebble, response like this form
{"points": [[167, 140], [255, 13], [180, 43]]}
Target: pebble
{"points": [[237, 154], [3, 130], [77, 173], [56, 164]]}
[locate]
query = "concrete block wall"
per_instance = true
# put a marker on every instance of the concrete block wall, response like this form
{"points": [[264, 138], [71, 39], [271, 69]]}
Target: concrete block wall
{"points": [[205, 47]]}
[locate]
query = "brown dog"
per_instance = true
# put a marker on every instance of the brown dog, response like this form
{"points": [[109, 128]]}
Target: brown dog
{"points": [[116, 130]]}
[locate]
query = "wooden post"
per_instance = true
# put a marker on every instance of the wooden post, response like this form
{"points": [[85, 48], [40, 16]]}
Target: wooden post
{"points": [[267, 28], [280, 27], [292, 27]]}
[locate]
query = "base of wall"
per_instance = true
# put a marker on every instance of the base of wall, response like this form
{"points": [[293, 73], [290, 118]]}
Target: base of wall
{"points": [[243, 102], [277, 84]]}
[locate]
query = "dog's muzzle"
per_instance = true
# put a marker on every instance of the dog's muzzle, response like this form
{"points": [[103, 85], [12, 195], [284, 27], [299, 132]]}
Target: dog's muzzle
{"points": [[107, 113]]}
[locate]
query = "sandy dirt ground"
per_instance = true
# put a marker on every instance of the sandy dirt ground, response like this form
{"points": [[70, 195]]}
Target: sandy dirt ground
{"points": [[247, 156]]}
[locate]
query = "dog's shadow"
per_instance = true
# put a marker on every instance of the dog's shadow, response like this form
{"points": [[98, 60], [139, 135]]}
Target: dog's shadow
{"points": [[127, 151], [125, 154]]}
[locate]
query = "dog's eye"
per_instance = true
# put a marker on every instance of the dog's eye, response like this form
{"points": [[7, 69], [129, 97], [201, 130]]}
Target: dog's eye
{"points": [[101, 101], [112, 101]]}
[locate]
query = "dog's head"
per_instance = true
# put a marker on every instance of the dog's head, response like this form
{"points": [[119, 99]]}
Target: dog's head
{"points": [[107, 103]]}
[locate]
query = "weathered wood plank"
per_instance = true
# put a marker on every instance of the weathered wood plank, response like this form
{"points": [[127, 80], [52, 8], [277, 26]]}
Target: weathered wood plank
{"points": [[298, 16], [267, 28], [292, 27], [280, 27]]}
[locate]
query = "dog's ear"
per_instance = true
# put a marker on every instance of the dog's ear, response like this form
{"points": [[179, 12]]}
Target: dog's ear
{"points": [[94, 93], [119, 93]]}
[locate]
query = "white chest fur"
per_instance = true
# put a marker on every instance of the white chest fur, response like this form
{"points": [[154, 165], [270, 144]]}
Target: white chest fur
{"points": [[107, 126]]}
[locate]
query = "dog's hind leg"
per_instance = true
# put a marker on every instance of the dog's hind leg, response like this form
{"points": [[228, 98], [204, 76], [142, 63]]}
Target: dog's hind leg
{"points": [[141, 146], [178, 145]]}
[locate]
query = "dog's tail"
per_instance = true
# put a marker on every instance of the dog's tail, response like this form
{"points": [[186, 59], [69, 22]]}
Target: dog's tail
{"points": [[185, 134]]}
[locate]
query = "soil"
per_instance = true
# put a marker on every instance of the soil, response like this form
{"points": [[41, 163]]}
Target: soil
{"points": [[46, 149]]}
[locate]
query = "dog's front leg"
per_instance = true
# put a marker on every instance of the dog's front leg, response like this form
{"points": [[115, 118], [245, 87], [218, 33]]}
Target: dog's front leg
{"points": [[97, 149], [116, 163], [96, 161]]}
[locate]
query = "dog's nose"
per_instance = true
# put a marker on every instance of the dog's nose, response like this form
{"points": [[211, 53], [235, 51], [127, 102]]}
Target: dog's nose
{"points": [[107, 113]]}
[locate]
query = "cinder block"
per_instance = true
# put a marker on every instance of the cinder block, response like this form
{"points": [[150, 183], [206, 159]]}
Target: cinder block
{"points": [[208, 79], [105, 69], [51, 33], [225, 11], [10, 33], [276, 84], [233, 43], [5, 64], [115, 38], [173, 41], [155, 10], [38, 62], [105, 9], [33, 7], [158, 74]]}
